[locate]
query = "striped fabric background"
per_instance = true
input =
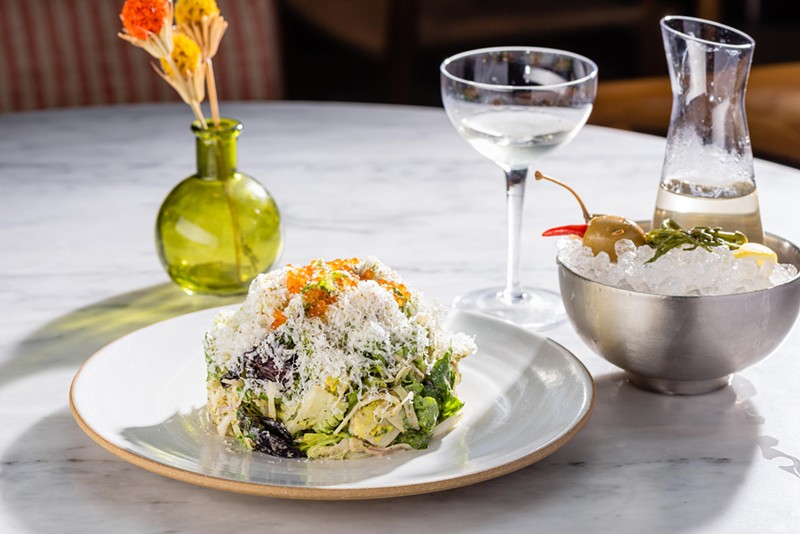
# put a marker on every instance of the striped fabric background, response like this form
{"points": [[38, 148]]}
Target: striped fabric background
{"points": [[59, 53]]}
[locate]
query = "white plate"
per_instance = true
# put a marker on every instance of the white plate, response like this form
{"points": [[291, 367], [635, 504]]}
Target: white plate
{"points": [[142, 398]]}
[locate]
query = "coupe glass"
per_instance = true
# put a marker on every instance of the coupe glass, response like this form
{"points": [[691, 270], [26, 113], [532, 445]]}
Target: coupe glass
{"points": [[514, 105]]}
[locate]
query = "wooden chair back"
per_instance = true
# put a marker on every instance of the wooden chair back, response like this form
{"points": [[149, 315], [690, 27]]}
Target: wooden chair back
{"points": [[772, 102]]}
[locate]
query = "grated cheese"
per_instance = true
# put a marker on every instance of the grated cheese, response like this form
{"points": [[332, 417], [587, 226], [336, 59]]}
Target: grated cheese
{"points": [[339, 320]]}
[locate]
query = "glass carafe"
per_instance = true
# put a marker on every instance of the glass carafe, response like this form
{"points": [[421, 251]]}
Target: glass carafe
{"points": [[707, 177], [219, 228]]}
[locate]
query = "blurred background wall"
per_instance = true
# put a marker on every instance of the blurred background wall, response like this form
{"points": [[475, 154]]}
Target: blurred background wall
{"points": [[390, 50], [63, 53], [60, 53]]}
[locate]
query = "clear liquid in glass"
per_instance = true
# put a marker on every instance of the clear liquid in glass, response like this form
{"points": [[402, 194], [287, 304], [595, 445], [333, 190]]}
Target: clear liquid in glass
{"points": [[517, 138]]}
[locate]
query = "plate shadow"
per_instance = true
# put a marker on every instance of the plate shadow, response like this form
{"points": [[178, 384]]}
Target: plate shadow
{"points": [[634, 463]]}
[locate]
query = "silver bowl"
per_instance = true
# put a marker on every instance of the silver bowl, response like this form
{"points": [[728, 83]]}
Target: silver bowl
{"points": [[682, 345]]}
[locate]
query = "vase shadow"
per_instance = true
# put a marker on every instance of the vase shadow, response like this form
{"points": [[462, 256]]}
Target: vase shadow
{"points": [[70, 339]]}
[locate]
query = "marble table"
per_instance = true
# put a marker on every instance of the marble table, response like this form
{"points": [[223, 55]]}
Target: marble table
{"points": [[80, 191]]}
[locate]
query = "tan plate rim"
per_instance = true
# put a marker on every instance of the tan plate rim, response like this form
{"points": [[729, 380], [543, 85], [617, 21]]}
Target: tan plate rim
{"points": [[333, 494]]}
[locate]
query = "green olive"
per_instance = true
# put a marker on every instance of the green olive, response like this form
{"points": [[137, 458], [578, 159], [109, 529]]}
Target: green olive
{"points": [[603, 232]]}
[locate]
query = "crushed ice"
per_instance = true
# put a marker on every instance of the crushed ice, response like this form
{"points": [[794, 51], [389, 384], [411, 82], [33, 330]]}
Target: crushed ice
{"points": [[679, 272]]}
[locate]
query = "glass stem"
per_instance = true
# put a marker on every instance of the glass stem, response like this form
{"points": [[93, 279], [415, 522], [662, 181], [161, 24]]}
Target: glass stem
{"points": [[515, 197]]}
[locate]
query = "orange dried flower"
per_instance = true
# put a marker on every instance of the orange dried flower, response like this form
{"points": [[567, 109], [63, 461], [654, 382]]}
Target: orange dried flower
{"points": [[140, 18], [148, 25]]}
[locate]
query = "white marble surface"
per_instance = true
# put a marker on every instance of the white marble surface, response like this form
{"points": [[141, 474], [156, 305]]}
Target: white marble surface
{"points": [[80, 190]]}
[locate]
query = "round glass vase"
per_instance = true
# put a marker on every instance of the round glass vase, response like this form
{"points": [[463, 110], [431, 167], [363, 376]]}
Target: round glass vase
{"points": [[219, 228]]}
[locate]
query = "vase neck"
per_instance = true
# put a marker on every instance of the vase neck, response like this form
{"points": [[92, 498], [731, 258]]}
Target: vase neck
{"points": [[216, 148]]}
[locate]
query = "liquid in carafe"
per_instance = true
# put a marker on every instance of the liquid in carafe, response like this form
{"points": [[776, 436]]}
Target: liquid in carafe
{"points": [[734, 208], [707, 178]]}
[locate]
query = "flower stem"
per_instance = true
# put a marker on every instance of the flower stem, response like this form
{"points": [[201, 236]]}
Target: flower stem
{"points": [[211, 84], [189, 99], [198, 113], [225, 174], [237, 232]]}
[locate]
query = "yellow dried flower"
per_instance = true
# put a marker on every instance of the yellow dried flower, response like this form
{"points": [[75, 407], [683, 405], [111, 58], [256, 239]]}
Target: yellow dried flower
{"points": [[186, 55], [187, 11], [185, 71], [201, 20]]}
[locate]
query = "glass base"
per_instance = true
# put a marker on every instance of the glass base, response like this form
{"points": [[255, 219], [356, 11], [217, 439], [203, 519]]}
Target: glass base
{"points": [[538, 308]]}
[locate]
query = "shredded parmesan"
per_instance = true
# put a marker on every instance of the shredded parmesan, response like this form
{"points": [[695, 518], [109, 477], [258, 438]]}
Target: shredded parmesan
{"points": [[344, 327]]}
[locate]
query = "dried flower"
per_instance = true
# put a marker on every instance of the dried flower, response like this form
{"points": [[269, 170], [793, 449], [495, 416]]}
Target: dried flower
{"points": [[200, 19], [185, 56], [194, 10], [143, 17], [185, 71], [148, 25]]}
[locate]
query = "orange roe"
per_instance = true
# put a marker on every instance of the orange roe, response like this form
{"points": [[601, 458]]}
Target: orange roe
{"points": [[278, 318], [298, 278], [398, 291], [346, 282], [140, 18], [343, 265], [316, 302], [342, 274]]}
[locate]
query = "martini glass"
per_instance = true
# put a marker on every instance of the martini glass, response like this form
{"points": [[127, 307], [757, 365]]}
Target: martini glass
{"points": [[514, 105]]}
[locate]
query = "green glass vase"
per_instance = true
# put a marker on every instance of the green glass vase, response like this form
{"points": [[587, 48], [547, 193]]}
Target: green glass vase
{"points": [[219, 228]]}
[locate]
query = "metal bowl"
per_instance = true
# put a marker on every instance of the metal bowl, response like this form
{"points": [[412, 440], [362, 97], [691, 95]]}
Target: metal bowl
{"points": [[683, 345]]}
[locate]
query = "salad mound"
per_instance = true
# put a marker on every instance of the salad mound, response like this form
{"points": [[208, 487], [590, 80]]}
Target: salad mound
{"points": [[334, 359]]}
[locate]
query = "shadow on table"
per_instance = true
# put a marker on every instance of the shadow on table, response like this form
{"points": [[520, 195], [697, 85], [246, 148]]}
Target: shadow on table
{"points": [[69, 340], [643, 460]]}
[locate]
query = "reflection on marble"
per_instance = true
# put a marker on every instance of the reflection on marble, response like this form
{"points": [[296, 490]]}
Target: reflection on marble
{"points": [[187, 442], [82, 188]]}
